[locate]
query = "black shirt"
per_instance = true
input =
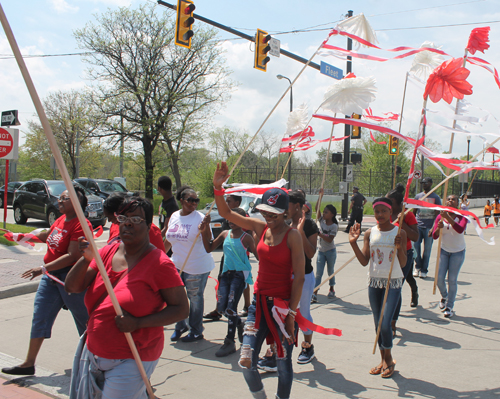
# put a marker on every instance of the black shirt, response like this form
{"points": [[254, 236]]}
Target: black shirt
{"points": [[168, 207], [357, 200], [310, 228]]}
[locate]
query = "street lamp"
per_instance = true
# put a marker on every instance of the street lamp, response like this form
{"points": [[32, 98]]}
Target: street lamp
{"points": [[291, 109]]}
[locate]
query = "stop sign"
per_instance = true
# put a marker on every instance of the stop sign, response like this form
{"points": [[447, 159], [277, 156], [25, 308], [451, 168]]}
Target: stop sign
{"points": [[6, 143]]}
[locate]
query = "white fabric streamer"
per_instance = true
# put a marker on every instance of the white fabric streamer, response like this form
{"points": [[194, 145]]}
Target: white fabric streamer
{"points": [[359, 26]]}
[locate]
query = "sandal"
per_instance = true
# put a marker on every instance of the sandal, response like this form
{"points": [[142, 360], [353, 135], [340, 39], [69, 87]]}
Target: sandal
{"points": [[376, 370], [389, 371]]}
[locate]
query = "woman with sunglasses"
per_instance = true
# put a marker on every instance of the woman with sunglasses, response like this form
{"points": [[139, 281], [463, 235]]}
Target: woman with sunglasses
{"points": [[182, 231], [150, 293], [278, 286], [62, 253]]}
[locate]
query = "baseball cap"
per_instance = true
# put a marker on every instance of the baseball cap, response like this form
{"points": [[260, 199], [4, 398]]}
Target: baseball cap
{"points": [[427, 180], [274, 200], [355, 188]]}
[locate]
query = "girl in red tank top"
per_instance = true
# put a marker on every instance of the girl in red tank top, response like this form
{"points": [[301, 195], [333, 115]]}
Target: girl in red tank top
{"points": [[281, 254]]}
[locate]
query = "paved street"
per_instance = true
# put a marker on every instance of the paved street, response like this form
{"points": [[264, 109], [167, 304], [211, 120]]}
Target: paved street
{"points": [[436, 357]]}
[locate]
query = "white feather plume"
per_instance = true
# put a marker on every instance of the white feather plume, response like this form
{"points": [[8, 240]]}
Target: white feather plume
{"points": [[426, 61], [351, 95], [297, 120], [359, 26]]}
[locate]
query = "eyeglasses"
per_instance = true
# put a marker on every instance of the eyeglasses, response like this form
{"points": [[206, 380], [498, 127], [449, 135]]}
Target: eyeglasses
{"points": [[63, 199], [268, 215], [192, 200], [125, 219]]}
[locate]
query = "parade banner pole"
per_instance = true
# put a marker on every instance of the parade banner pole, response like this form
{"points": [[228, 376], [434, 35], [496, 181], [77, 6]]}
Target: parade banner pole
{"points": [[324, 169], [400, 122], [334, 274], [69, 186]]}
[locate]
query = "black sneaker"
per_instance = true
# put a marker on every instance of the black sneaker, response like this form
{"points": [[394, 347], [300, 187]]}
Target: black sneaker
{"points": [[213, 315], [306, 355], [191, 337], [268, 363], [226, 349]]}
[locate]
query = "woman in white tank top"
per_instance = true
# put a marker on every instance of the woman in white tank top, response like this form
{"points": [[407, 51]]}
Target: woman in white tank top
{"points": [[379, 250]]}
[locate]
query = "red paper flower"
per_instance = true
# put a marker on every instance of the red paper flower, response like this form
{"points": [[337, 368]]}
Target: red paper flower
{"points": [[447, 81], [478, 40], [493, 150]]}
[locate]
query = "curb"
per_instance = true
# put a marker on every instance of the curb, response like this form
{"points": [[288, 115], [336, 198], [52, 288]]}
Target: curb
{"points": [[18, 289]]}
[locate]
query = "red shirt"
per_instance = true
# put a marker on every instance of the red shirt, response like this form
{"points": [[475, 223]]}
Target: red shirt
{"points": [[61, 234], [138, 294], [410, 220], [154, 235]]}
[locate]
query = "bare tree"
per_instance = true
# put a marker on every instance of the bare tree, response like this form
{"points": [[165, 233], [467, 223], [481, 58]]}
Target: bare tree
{"points": [[163, 92]]}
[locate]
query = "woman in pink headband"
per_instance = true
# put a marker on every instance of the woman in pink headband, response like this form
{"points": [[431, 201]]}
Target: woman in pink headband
{"points": [[378, 251]]}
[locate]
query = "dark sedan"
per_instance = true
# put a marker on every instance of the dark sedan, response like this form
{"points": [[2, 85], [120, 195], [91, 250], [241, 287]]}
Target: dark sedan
{"points": [[37, 199], [11, 187]]}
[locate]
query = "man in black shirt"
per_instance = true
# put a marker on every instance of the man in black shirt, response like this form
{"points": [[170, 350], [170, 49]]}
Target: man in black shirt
{"points": [[356, 208], [168, 204]]}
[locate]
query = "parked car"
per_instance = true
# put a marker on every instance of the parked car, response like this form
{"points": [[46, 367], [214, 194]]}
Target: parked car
{"points": [[11, 187], [248, 204], [102, 187], [37, 199]]}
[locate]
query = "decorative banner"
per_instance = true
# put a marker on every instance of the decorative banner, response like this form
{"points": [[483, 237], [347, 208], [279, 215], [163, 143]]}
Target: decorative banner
{"points": [[252, 190], [486, 65], [478, 40], [297, 119], [307, 144], [469, 215], [447, 82], [350, 95], [391, 116], [308, 132], [373, 138], [24, 239]]}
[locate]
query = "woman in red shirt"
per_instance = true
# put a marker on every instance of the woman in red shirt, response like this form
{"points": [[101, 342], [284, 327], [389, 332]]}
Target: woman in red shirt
{"points": [[151, 296], [62, 253], [410, 226], [278, 285]]}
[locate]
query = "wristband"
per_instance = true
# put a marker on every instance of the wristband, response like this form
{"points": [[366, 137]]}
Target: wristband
{"points": [[292, 313], [43, 269], [219, 192]]}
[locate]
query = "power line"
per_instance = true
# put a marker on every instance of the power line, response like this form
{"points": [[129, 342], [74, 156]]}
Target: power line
{"points": [[426, 8], [440, 26]]}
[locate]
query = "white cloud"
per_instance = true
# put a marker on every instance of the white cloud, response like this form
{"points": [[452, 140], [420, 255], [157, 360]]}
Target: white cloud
{"points": [[63, 7]]}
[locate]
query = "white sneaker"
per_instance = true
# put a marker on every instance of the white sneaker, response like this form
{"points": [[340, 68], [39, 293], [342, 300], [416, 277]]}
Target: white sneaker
{"points": [[442, 304], [416, 273], [448, 312], [423, 275]]}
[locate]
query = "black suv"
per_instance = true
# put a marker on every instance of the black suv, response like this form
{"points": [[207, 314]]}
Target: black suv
{"points": [[37, 199], [102, 187]]}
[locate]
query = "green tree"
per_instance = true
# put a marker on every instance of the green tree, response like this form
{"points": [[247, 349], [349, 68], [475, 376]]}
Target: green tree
{"points": [[164, 93]]}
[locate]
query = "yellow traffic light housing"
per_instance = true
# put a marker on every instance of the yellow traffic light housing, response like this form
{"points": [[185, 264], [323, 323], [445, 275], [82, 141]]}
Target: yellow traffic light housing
{"points": [[393, 146], [262, 47], [356, 130], [184, 22]]}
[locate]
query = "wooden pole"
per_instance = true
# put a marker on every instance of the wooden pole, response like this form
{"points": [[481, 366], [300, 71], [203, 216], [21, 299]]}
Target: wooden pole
{"points": [[69, 186], [334, 274], [400, 122], [324, 169]]}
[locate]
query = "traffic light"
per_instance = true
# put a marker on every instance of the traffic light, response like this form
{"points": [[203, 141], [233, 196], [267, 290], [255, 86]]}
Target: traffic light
{"points": [[183, 31], [356, 158], [356, 130], [393, 146], [262, 47], [337, 158]]}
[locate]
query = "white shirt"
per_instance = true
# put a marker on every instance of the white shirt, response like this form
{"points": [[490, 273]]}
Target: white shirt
{"points": [[181, 233]]}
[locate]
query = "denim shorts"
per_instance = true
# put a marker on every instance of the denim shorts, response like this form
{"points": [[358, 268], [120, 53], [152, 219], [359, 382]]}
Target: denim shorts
{"points": [[49, 300]]}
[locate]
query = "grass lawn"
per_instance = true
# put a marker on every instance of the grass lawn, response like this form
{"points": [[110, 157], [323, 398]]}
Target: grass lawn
{"points": [[15, 228]]}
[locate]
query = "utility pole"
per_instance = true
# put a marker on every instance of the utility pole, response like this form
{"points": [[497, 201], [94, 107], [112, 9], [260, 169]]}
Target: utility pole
{"points": [[347, 133]]}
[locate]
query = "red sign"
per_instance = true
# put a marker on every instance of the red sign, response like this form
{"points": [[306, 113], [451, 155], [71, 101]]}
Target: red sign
{"points": [[6, 143]]}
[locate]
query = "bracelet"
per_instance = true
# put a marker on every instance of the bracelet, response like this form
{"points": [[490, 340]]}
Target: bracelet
{"points": [[292, 313], [219, 192], [43, 269]]}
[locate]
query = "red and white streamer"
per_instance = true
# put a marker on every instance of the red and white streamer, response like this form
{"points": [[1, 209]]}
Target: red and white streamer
{"points": [[252, 190], [26, 240]]}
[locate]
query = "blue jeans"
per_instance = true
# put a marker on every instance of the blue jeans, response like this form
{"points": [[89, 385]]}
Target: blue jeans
{"points": [[422, 261], [231, 286], [305, 299], [328, 257], [449, 263], [376, 297], [195, 286], [254, 339], [49, 299], [406, 270]]}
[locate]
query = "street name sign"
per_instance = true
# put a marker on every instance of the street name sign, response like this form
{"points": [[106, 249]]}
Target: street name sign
{"points": [[330, 70]]}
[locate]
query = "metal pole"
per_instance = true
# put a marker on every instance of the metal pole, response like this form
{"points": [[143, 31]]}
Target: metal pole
{"points": [[347, 133]]}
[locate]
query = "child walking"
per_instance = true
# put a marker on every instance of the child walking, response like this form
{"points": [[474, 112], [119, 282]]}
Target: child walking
{"points": [[235, 276], [378, 251], [327, 252], [487, 212]]}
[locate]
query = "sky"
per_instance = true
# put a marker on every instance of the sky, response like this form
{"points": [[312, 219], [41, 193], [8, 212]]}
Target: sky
{"points": [[45, 27]]}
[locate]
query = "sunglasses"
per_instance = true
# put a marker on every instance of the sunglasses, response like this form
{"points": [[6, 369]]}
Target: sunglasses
{"points": [[192, 200], [63, 199], [125, 219], [268, 215]]}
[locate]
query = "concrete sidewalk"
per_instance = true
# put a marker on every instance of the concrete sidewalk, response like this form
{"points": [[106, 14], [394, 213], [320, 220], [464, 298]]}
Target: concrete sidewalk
{"points": [[436, 357]]}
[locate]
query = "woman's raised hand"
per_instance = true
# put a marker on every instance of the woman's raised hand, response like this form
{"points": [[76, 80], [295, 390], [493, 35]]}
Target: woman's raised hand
{"points": [[221, 175], [354, 233], [204, 223]]}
